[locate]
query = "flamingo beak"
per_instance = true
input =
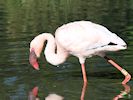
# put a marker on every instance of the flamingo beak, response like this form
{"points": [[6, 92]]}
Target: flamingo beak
{"points": [[33, 60]]}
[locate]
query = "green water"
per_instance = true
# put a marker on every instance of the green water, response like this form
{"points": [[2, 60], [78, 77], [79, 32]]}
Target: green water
{"points": [[22, 20]]}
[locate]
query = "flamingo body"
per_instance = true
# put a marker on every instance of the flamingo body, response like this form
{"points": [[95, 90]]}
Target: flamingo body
{"points": [[82, 39], [85, 39]]}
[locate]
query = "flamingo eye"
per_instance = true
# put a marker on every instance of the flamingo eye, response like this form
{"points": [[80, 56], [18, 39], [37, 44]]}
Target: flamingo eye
{"points": [[111, 43]]}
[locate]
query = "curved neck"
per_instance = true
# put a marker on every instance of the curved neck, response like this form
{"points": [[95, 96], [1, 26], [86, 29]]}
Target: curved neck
{"points": [[51, 55]]}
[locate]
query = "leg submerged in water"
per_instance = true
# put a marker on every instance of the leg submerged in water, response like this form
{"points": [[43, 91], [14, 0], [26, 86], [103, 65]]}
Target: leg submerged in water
{"points": [[123, 71]]}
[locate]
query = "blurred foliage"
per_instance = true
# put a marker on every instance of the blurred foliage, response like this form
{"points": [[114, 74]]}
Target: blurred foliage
{"points": [[35, 16]]}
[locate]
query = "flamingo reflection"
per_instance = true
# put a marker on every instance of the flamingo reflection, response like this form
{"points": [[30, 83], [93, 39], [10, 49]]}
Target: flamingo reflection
{"points": [[54, 97], [124, 93], [33, 95]]}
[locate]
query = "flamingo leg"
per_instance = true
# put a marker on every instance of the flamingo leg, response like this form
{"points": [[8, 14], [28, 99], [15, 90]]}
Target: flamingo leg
{"points": [[84, 73], [123, 71], [83, 91]]}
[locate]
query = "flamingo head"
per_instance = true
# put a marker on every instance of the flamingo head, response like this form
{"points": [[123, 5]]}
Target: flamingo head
{"points": [[33, 59], [35, 51]]}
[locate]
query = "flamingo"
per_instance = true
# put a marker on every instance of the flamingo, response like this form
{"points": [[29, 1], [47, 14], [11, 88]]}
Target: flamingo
{"points": [[82, 39]]}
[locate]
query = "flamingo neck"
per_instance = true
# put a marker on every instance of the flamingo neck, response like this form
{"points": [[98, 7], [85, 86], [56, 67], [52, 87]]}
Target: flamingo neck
{"points": [[52, 56]]}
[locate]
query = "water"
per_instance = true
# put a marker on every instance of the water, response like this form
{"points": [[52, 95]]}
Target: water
{"points": [[21, 20]]}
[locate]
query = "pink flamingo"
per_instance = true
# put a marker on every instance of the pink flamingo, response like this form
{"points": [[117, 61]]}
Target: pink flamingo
{"points": [[82, 39]]}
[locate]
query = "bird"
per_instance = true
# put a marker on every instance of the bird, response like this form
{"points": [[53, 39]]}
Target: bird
{"points": [[82, 39]]}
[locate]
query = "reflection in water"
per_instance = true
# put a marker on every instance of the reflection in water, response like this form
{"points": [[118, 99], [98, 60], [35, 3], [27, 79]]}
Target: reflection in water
{"points": [[33, 95], [124, 93], [54, 97]]}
